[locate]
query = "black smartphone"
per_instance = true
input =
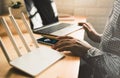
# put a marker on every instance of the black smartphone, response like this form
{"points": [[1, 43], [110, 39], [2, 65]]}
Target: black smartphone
{"points": [[48, 41]]}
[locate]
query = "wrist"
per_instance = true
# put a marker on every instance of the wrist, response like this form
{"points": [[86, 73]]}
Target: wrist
{"points": [[85, 52], [93, 52]]}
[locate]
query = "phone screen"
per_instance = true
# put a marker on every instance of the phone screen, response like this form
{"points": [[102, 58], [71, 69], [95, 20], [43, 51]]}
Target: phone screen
{"points": [[48, 41]]}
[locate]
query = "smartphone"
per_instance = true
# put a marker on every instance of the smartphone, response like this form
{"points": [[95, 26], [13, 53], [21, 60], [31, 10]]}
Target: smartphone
{"points": [[48, 41]]}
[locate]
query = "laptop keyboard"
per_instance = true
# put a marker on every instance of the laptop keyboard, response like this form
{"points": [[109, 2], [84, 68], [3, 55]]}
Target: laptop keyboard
{"points": [[54, 28]]}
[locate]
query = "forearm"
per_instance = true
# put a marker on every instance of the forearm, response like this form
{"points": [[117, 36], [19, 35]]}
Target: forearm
{"points": [[103, 62], [96, 38]]}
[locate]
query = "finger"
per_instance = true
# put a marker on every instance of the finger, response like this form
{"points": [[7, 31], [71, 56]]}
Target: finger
{"points": [[87, 24], [65, 37], [81, 23], [62, 43], [86, 27], [66, 48]]}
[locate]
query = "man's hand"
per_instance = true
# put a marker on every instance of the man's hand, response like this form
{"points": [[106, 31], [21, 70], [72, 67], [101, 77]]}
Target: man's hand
{"points": [[77, 47], [91, 32]]}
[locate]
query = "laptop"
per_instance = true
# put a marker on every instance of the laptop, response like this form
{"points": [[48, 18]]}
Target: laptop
{"points": [[43, 18], [35, 61]]}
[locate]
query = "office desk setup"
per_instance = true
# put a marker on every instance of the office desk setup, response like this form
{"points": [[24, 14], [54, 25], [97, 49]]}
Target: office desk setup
{"points": [[67, 67]]}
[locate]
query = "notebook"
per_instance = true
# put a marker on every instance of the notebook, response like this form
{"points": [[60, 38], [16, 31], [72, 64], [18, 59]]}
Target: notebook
{"points": [[43, 18], [36, 60]]}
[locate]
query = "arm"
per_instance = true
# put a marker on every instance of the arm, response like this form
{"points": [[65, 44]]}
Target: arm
{"points": [[104, 63], [91, 32]]}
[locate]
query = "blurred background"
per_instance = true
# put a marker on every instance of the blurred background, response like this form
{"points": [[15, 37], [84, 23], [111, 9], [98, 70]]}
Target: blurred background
{"points": [[95, 11]]}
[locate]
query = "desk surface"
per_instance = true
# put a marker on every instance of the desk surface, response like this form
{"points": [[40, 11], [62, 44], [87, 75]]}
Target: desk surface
{"points": [[67, 67]]}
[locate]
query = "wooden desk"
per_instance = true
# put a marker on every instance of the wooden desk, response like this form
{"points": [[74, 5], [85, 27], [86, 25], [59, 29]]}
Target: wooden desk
{"points": [[67, 67]]}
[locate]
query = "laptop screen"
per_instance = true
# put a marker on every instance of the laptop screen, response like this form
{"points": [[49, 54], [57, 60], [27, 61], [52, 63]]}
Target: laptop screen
{"points": [[41, 12]]}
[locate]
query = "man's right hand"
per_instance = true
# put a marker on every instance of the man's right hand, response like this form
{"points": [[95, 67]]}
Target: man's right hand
{"points": [[91, 32]]}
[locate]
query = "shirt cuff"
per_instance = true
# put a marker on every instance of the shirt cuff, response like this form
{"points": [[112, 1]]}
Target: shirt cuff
{"points": [[93, 52]]}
